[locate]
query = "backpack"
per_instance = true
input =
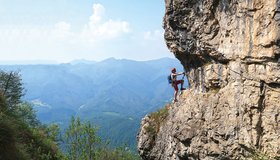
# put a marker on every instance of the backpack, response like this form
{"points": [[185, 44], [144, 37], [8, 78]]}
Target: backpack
{"points": [[169, 78]]}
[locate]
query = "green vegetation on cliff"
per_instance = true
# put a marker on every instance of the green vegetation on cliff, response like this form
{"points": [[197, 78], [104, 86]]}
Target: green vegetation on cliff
{"points": [[156, 120]]}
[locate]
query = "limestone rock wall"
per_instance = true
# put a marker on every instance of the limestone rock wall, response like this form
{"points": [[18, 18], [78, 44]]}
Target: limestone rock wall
{"points": [[230, 49]]}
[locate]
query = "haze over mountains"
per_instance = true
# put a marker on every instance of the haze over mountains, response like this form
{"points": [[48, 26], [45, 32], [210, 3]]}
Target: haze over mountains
{"points": [[114, 94]]}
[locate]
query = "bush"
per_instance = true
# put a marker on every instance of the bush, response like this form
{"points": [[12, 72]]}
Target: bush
{"points": [[10, 149], [21, 134], [156, 120], [120, 153]]}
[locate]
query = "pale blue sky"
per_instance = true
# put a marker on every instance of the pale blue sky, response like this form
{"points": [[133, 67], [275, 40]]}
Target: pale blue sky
{"points": [[64, 30]]}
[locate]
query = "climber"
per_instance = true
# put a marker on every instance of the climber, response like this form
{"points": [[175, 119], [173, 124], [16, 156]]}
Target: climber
{"points": [[175, 82]]}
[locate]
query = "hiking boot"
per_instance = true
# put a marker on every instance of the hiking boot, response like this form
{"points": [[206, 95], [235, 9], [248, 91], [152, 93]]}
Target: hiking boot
{"points": [[183, 89], [175, 100]]}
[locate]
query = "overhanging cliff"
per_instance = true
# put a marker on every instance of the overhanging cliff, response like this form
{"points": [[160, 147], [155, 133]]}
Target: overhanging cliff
{"points": [[230, 49]]}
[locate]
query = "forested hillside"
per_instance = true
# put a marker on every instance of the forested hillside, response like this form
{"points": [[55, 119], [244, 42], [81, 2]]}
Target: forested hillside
{"points": [[24, 137]]}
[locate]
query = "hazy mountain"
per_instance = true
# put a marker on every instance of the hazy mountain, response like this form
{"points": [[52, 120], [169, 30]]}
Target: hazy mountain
{"points": [[115, 94], [82, 61]]}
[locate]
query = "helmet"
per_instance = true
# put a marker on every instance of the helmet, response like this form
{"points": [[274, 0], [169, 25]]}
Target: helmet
{"points": [[173, 70]]}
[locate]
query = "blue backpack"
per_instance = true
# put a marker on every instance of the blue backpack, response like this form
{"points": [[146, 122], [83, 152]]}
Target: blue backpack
{"points": [[169, 78]]}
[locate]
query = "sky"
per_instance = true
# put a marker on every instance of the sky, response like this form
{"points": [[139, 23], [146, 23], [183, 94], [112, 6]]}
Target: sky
{"points": [[66, 30]]}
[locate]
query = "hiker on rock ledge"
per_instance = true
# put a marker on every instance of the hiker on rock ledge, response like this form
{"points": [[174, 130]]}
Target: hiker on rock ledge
{"points": [[175, 82]]}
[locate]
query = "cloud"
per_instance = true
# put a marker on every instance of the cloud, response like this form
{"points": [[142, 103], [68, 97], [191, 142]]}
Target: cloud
{"points": [[96, 30], [61, 42], [61, 29], [98, 12]]}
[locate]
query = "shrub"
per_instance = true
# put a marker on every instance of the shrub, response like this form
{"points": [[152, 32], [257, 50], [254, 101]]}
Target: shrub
{"points": [[156, 120], [120, 153]]}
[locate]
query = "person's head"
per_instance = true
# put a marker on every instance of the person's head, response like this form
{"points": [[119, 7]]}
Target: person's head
{"points": [[173, 70]]}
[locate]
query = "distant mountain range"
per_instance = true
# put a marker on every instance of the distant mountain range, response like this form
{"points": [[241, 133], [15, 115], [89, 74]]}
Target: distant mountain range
{"points": [[114, 94]]}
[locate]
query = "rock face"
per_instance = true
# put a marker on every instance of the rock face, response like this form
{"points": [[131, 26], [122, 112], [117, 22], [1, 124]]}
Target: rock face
{"points": [[231, 51]]}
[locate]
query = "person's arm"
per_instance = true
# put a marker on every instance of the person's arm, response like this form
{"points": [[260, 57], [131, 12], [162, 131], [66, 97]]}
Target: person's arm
{"points": [[181, 73]]}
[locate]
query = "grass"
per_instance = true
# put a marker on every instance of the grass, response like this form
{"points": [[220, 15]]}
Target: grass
{"points": [[256, 154], [263, 156], [157, 119]]}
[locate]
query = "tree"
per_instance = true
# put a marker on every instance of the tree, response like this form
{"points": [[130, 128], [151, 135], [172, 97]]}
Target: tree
{"points": [[26, 113], [119, 153], [82, 143], [90, 140], [81, 140], [53, 131], [21, 134], [11, 89]]}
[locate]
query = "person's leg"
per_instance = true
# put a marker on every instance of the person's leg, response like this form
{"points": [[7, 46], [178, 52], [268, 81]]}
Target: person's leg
{"points": [[175, 92], [175, 96], [182, 84]]}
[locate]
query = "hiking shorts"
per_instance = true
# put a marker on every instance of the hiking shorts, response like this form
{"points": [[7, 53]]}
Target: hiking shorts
{"points": [[175, 86]]}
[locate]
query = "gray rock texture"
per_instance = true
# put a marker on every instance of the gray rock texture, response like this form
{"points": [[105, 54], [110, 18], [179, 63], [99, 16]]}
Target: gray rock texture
{"points": [[231, 51]]}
